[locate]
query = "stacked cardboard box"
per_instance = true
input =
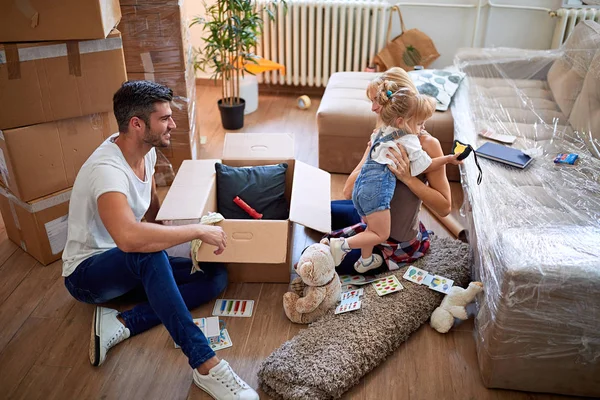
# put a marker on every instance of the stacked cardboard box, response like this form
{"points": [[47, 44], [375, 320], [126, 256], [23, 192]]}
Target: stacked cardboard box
{"points": [[157, 48], [57, 79]]}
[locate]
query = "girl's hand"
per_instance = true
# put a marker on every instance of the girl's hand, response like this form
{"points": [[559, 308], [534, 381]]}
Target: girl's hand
{"points": [[453, 159], [401, 167]]}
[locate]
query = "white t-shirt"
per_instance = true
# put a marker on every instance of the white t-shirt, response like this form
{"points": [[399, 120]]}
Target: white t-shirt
{"points": [[419, 159], [105, 171]]}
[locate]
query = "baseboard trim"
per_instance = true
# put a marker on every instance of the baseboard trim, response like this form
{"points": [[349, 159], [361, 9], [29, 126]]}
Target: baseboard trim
{"points": [[268, 88]]}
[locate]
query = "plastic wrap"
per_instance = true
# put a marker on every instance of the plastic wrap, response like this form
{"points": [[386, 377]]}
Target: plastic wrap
{"points": [[155, 37], [163, 171], [536, 232]]}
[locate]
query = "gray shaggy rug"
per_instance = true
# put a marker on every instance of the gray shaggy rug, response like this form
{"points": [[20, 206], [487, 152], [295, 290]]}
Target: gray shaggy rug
{"points": [[334, 353]]}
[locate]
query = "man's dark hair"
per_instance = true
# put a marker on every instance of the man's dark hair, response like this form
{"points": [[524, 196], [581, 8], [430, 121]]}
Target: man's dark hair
{"points": [[136, 99]]}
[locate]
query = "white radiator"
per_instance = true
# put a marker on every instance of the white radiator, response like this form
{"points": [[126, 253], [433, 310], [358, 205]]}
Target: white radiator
{"points": [[567, 19], [316, 38]]}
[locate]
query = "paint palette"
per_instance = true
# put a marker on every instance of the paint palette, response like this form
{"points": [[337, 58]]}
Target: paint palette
{"points": [[387, 285], [351, 281], [210, 327], [224, 341], [233, 308]]}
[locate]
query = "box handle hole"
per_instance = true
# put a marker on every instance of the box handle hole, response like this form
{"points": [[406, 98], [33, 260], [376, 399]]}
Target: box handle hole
{"points": [[242, 236], [259, 147]]}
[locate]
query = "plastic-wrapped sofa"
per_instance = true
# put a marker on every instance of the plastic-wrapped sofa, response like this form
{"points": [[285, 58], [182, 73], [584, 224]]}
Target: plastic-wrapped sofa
{"points": [[536, 232]]}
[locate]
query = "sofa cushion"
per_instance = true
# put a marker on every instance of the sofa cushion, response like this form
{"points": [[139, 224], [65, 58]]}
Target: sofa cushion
{"points": [[439, 84], [345, 109], [585, 116], [567, 74]]}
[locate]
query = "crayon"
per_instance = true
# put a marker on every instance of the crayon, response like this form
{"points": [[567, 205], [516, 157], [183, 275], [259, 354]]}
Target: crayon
{"points": [[244, 306], [235, 309], [223, 303], [229, 305]]}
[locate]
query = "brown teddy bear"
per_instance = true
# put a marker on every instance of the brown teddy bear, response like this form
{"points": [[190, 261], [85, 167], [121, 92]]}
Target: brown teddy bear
{"points": [[321, 285]]}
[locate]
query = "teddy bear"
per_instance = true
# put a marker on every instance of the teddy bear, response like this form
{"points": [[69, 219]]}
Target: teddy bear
{"points": [[318, 286], [453, 306]]}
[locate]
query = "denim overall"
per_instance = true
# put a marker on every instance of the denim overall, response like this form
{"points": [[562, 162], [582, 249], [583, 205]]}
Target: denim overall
{"points": [[375, 185]]}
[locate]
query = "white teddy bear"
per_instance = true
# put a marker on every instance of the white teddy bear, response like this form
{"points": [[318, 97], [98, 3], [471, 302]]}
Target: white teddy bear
{"points": [[453, 306]]}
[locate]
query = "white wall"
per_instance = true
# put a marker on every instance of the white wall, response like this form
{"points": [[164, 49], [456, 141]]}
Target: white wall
{"points": [[452, 28], [195, 8]]}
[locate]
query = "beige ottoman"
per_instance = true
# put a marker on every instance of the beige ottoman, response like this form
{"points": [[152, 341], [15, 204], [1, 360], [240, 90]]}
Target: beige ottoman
{"points": [[345, 122]]}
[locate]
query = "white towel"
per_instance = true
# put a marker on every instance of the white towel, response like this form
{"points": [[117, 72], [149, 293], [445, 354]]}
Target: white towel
{"points": [[210, 219], [419, 159]]}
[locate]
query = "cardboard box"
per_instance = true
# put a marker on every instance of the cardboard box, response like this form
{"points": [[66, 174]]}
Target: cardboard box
{"points": [[148, 2], [183, 84], [39, 160], [50, 81], [257, 251], [155, 38], [38, 20], [39, 227]]}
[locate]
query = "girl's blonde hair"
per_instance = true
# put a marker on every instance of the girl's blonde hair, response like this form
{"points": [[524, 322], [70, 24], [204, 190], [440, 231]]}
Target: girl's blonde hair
{"points": [[396, 75], [395, 91]]}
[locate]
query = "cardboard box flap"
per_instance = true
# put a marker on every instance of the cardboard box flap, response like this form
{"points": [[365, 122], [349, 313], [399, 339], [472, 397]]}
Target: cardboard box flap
{"points": [[258, 146], [189, 192], [311, 198]]}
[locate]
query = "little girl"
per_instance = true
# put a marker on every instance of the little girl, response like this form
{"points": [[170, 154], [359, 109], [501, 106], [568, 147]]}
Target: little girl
{"points": [[403, 113]]}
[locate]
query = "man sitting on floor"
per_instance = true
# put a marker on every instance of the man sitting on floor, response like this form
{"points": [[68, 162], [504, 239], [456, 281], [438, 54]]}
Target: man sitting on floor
{"points": [[110, 252]]}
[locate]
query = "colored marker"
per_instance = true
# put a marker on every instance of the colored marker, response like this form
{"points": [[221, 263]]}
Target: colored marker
{"points": [[235, 309], [244, 306], [223, 303], [229, 305]]}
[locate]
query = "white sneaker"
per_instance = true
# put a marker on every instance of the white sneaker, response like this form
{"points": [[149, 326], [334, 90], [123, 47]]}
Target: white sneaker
{"points": [[107, 331], [335, 247], [224, 384], [375, 263]]}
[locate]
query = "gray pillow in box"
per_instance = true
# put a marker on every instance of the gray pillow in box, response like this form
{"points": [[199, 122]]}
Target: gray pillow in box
{"points": [[262, 187]]}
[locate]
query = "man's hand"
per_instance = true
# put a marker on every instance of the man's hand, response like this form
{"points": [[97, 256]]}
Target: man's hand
{"points": [[213, 235], [132, 236]]}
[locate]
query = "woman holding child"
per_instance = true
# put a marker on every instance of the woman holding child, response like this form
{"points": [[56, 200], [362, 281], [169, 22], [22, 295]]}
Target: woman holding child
{"points": [[399, 145]]}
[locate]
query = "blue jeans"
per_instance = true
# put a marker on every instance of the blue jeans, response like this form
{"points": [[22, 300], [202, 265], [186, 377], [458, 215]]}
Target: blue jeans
{"points": [[168, 285], [343, 214]]}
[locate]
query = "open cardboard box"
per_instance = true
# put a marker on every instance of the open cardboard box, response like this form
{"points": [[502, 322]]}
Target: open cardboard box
{"points": [[257, 250]]}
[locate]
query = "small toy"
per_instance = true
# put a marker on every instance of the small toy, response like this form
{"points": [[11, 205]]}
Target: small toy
{"points": [[453, 306], [465, 150], [303, 102], [566, 158], [322, 287], [249, 210]]}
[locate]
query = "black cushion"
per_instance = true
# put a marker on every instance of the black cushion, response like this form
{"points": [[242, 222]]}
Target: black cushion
{"points": [[262, 187]]}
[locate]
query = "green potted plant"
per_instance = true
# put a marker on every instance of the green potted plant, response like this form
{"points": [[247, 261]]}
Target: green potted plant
{"points": [[234, 27]]}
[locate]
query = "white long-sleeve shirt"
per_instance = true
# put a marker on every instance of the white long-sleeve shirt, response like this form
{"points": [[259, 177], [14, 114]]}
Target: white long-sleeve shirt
{"points": [[419, 159]]}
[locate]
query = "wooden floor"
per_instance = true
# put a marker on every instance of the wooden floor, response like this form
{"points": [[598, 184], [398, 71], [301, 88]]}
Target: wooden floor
{"points": [[44, 333]]}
